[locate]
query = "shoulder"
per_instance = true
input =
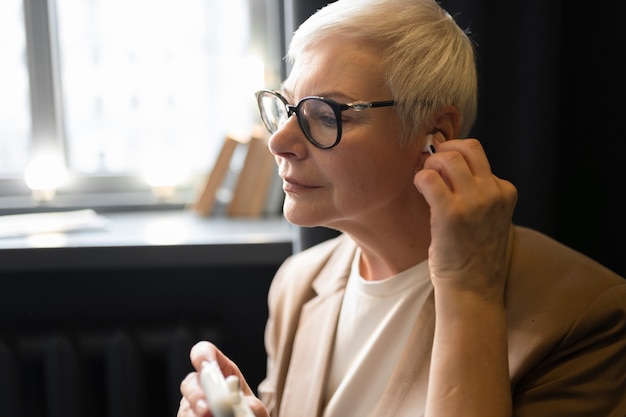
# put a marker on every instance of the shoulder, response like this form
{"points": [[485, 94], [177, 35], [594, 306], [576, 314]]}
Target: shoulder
{"points": [[544, 272], [566, 315], [554, 292], [536, 257]]}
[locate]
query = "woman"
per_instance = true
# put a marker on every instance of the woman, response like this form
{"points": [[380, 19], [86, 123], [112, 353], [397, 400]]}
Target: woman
{"points": [[430, 302]]}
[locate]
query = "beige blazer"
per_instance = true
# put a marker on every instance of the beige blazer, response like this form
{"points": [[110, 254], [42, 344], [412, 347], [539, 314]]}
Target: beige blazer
{"points": [[566, 331]]}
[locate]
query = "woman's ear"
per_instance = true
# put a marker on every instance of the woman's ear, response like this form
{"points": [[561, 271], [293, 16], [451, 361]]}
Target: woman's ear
{"points": [[447, 122]]}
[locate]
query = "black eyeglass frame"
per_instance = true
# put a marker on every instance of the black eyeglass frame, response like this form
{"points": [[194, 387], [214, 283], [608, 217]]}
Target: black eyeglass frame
{"points": [[337, 109]]}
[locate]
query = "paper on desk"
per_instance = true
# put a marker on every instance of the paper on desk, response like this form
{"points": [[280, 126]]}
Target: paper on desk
{"points": [[18, 225]]}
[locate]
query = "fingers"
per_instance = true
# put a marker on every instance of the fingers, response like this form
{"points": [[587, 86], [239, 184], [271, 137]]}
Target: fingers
{"points": [[184, 409], [190, 387], [193, 403], [458, 163], [460, 173], [203, 351]]}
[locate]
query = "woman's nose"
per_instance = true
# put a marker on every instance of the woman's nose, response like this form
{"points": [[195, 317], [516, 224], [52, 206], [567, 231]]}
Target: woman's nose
{"points": [[288, 140]]}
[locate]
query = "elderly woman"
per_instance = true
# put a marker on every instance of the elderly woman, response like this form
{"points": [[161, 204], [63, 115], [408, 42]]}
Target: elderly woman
{"points": [[430, 302]]}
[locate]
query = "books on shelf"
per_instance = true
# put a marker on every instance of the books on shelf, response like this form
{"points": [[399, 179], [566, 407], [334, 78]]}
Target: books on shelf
{"points": [[244, 181], [253, 181], [208, 195]]}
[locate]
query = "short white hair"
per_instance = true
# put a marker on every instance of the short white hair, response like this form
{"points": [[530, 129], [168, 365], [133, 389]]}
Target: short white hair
{"points": [[429, 60]]}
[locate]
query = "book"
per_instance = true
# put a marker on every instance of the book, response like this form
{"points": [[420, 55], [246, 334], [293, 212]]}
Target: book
{"points": [[205, 204], [254, 181]]}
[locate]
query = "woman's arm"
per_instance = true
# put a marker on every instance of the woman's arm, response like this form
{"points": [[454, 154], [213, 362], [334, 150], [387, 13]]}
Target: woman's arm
{"points": [[471, 212]]}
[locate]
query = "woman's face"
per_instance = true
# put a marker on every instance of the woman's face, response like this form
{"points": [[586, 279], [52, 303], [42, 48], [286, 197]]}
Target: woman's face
{"points": [[368, 174]]}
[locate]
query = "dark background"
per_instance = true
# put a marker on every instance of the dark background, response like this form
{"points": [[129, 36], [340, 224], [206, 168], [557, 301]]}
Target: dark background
{"points": [[551, 112]]}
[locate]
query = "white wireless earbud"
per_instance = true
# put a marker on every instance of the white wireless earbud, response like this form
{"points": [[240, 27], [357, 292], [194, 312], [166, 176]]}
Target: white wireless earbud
{"points": [[429, 144]]}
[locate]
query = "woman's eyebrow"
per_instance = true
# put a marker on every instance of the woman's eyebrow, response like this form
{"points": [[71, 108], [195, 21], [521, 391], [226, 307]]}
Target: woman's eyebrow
{"points": [[334, 95]]}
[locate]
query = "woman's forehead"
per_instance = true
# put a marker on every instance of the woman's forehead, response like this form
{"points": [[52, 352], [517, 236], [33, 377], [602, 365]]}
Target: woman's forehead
{"points": [[346, 69]]}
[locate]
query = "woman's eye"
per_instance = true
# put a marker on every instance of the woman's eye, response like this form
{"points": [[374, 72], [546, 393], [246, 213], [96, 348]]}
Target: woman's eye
{"points": [[329, 121]]}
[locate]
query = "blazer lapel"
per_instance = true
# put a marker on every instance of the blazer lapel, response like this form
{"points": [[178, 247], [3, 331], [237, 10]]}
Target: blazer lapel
{"points": [[303, 395]]}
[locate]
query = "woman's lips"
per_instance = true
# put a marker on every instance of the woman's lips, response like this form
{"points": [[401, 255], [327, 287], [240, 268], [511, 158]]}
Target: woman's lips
{"points": [[291, 185]]}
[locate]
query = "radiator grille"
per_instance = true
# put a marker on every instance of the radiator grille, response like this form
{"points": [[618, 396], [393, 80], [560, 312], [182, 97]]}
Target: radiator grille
{"points": [[106, 373]]}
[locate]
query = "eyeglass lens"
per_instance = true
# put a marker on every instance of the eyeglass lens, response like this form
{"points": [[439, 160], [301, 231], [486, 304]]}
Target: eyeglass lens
{"points": [[319, 121], [317, 118], [273, 111]]}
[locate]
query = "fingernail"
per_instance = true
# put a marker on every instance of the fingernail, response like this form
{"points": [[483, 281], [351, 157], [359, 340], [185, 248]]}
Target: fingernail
{"points": [[202, 406]]}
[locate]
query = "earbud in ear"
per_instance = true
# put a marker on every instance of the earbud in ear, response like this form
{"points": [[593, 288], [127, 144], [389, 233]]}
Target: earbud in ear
{"points": [[430, 148]]}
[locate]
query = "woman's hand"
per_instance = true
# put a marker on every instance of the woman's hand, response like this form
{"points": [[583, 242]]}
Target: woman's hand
{"points": [[471, 213], [194, 402]]}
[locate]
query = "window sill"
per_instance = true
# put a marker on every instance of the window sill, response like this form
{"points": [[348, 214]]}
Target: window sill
{"points": [[154, 239]]}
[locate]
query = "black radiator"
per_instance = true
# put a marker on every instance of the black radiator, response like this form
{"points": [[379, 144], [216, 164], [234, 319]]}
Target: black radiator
{"points": [[115, 342], [116, 373]]}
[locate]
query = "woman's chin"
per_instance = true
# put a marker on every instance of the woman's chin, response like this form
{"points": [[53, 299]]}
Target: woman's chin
{"points": [[303, 215]]}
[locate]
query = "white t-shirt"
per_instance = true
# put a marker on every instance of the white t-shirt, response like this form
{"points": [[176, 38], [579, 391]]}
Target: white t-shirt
{"points": [[375, 321]]}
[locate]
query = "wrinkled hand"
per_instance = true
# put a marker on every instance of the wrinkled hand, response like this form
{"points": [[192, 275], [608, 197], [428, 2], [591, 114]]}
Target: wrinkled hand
{"points": [[194, 403], [471, 213]]}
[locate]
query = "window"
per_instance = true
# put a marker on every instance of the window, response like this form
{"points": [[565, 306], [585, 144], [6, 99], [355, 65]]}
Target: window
{"points": [[126, 96], [14, 119]]}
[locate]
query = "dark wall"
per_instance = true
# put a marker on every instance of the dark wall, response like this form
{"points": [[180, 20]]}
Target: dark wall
{"points": [[551, 112]]}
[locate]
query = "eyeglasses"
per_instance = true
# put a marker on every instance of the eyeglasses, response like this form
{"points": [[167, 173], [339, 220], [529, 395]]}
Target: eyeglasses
{"points": [[318, 117]]}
